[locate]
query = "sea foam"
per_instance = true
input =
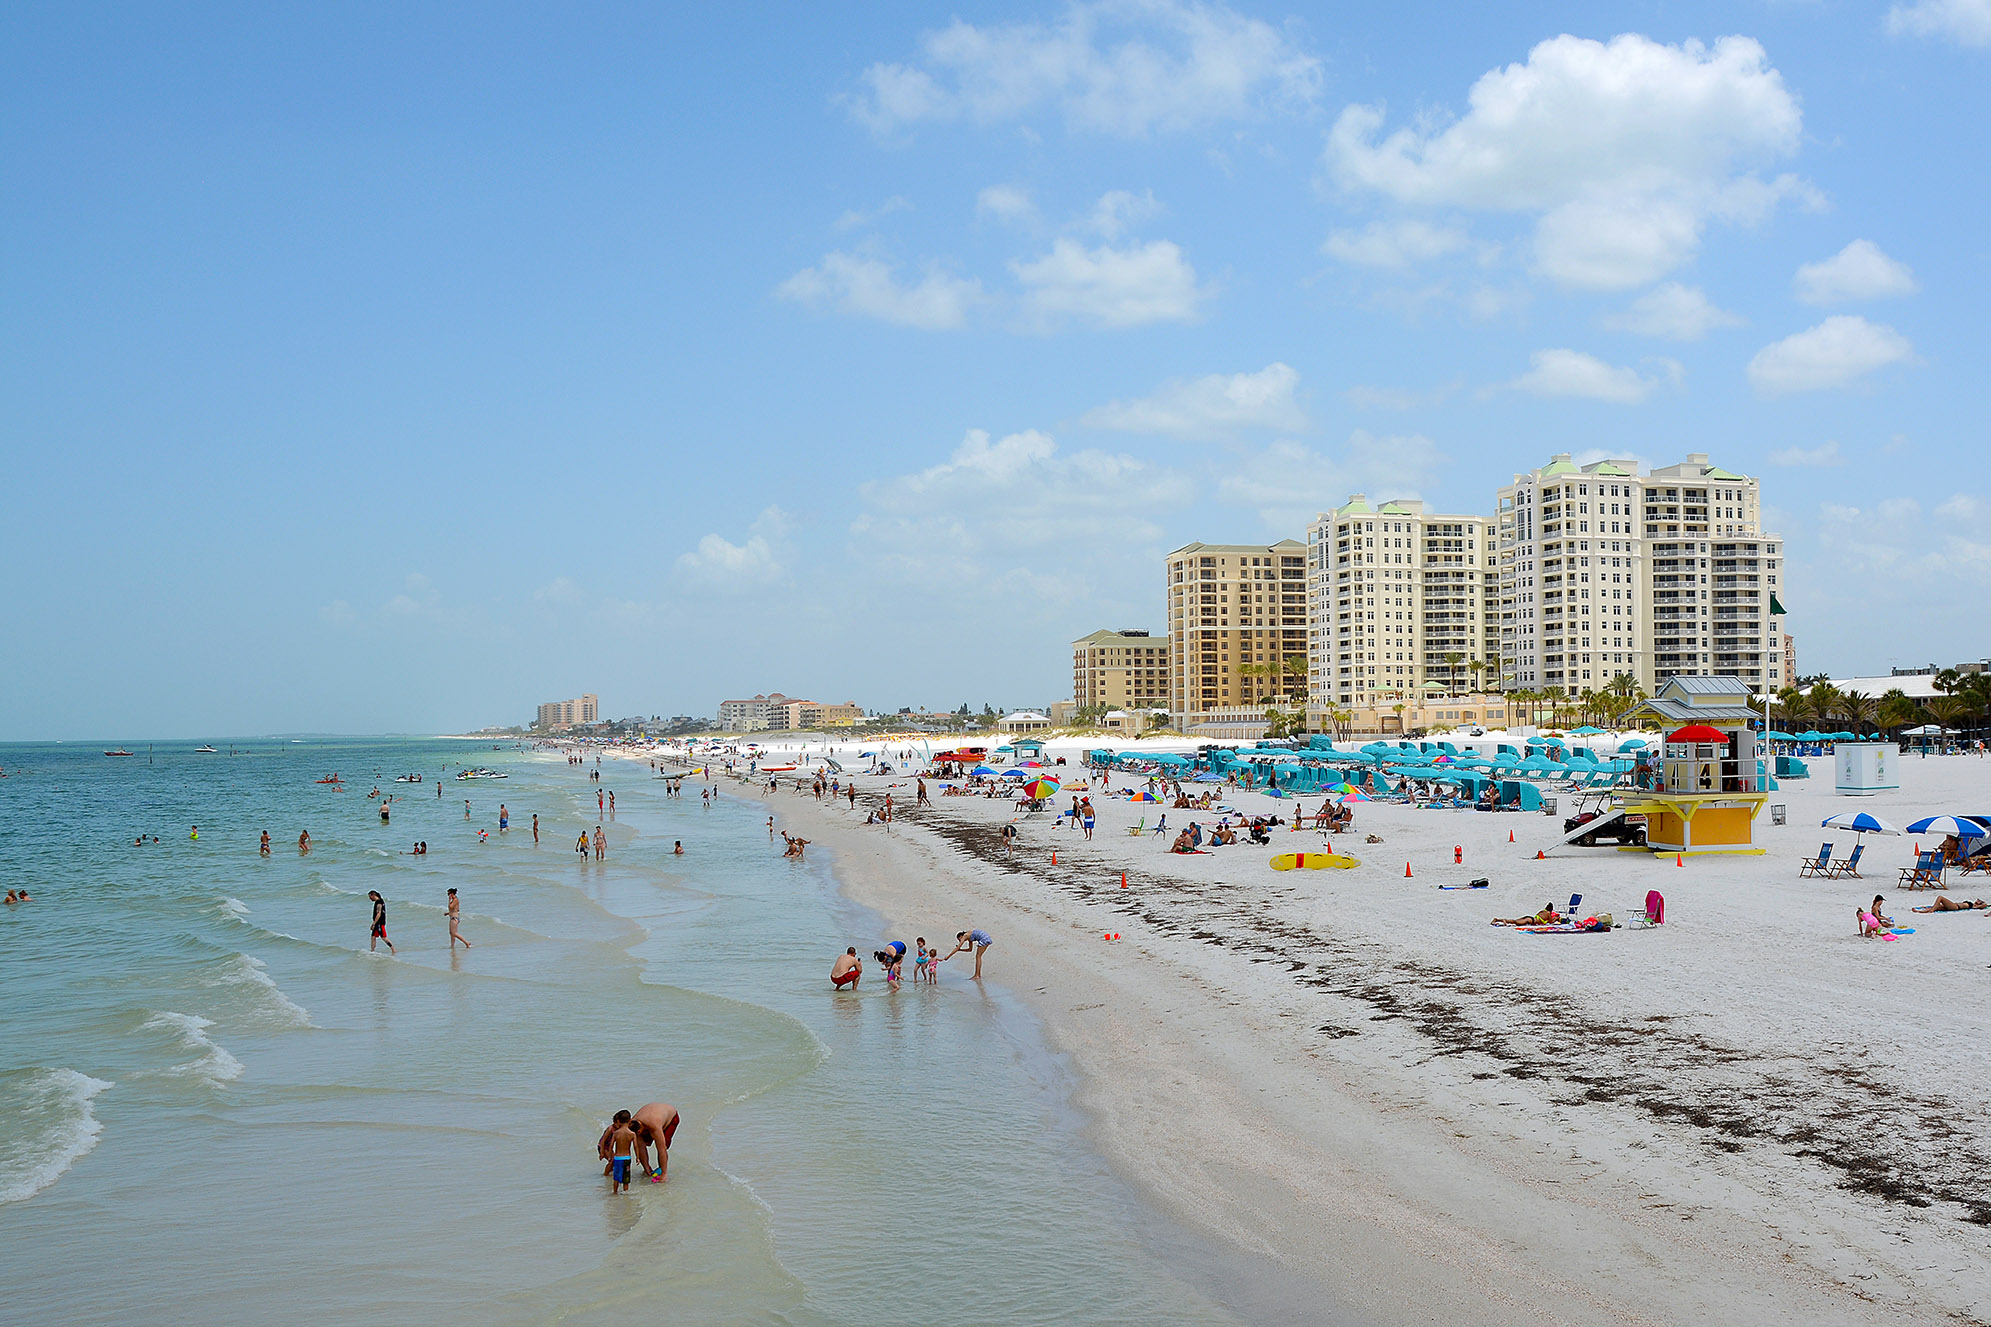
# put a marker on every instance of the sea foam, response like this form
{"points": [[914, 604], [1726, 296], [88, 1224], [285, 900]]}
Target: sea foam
{"points": [[49, 1126], [214, 1063], [247, 974]]}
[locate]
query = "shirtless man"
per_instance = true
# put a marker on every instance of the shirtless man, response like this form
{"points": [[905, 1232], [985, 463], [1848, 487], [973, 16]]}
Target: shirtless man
{"points": [[654, 1124], [847, 969]]}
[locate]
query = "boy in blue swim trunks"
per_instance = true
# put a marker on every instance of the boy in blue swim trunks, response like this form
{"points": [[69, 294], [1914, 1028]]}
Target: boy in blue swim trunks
{"points": [[622, 1148]]}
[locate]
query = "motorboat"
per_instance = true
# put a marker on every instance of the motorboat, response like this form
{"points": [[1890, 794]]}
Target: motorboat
{"points": [[205, 751], [481, 773], [119, 752]]}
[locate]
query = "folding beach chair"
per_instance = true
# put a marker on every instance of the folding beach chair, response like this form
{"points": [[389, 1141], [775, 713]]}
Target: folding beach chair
{"points": [[1926, 873], [1654, 911], [1575, 902], [1139, 829], [1849, 867], [1821, 865]]}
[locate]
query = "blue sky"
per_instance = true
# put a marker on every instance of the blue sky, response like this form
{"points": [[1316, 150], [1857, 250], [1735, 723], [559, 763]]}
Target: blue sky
{"points": [[399, 369]]}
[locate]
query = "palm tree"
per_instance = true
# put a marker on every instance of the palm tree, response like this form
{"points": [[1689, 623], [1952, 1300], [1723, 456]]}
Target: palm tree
{"points": [[1452, 661], [1824, 701], [1858, 708], [1949, 711], [1295, 666], [1897, 711], [1493, 666], [1476, 667]]}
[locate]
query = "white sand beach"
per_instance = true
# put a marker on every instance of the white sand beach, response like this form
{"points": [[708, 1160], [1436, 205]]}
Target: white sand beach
{"points": [[1747, 1114]]}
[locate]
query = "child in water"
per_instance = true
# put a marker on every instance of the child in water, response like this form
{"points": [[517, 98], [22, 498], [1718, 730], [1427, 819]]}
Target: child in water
{"points": [[921, 966], [621, 1147]]}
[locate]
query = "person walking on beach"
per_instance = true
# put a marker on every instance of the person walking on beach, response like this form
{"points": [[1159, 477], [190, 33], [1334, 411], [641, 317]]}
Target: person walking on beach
{"points": [[850, 791], [379, 923], [504, 818], [581, 845], [979, 941], [922, 800], [535, 826], [611, 806], [601, 844], [455, 915]]}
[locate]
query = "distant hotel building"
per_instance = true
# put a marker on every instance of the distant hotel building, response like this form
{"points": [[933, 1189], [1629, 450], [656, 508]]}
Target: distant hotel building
{"points": [[1401, 601], [1603, 571], [1231, 605], [556, 716], [777, 712], [1117, 670]]}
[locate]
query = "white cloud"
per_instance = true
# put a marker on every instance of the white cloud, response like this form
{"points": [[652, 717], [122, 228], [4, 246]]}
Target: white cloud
{"points": [[1857, 272], [869, 288], [1837, 351], [857, 217], [1215, 406], [1394, 243], [1965, 22], [1824, 454], [1289, 483], [1674, 311], [1005, 202], [1573, 373], [719, 564], [1124, 67], [1898, 510], [975, 527], [1119, 211], [418, 597], [1623, 151], [1961, 507], [1108, 286]]}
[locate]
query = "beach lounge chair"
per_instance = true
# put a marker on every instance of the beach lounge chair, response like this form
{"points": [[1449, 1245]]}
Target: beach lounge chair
{"points": [[1926, 873], [1139, 829], [1849, 867], [1822, 865], [1653, 913], [1575, 902]]}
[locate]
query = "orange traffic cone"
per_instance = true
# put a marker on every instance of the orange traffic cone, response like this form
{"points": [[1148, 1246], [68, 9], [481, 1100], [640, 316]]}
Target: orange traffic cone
{"points": [[1406, 870], [1054, 857], [1510, 836], [1679, 859], [1123, 880], [1541, 856]]}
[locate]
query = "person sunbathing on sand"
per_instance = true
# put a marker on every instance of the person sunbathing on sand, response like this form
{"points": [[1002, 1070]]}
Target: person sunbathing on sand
{"points": [[1548, 916], [1183, 843], [1944, 903]]}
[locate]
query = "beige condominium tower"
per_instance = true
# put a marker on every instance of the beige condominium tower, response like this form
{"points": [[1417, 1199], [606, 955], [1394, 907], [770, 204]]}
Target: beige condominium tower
{"points": [[1402, 602], [1605, 571], [1233, 606], [1118, 670]]}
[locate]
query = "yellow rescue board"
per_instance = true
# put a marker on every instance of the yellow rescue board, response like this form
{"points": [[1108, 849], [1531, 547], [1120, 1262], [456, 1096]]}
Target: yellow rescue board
{"points": [[1312, 861]]}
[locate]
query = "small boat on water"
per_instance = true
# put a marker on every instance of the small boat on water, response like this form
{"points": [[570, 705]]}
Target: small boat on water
{"points": [[481, 773], [407, 778], [205, 751], [119, 752]]}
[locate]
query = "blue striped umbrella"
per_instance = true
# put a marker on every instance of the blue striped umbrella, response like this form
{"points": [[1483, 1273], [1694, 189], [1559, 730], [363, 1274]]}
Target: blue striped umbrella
{"points": [[1861, 823], [1963, 829]]}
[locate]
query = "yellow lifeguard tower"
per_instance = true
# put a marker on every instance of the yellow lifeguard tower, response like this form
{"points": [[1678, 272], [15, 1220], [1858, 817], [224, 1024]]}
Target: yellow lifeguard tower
{"points": [[1703, 794]]}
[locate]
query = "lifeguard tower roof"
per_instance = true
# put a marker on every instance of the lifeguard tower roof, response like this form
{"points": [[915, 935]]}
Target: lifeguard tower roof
{"points": [[1700, 700]]}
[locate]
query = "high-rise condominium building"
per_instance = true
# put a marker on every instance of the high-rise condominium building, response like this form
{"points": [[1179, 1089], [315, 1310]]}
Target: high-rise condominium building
{"points": [[1605, 571], [1403, 600], [1119, 670], [559, 715], [1232, 605]]}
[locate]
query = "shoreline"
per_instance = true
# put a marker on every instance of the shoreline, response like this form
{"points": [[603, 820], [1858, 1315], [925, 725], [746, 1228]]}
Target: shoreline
{"points": [[1308, 1091]]}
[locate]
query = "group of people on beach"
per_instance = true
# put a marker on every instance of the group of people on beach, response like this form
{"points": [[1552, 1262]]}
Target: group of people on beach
{"points": [[452, 908], [1874, 924], [848, 969], [629, 1138]]}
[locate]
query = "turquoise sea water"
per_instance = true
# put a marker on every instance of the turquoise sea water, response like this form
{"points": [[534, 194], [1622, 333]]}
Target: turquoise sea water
{"points": [[223, 1108]]}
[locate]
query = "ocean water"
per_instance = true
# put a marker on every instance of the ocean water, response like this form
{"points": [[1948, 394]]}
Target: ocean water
{"points": [[222, 1108]]}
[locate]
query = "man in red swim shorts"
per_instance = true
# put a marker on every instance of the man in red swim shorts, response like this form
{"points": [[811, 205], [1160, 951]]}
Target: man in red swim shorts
{"points": [[847, 969]]}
